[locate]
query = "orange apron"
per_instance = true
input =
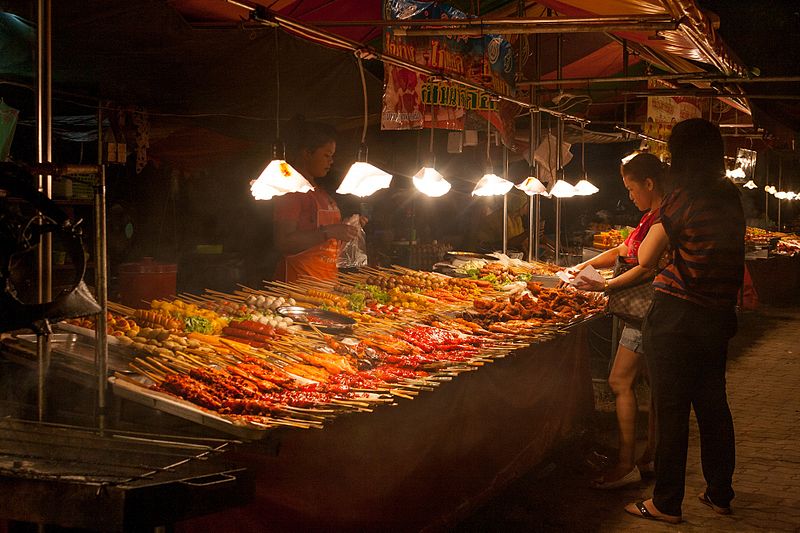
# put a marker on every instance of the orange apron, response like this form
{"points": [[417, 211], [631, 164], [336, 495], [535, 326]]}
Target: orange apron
{"points": [[318, 262]]}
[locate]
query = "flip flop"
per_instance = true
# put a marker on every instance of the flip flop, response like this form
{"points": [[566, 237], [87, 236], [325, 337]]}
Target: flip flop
{"points": [[628, 479], [639, 510], [703, 497]]}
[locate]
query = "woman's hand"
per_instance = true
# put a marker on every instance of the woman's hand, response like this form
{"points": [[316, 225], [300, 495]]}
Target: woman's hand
{"points": [[341, 232], [591, 285]]}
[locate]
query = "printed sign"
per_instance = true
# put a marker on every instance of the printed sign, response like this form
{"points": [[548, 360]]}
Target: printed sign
{"points": [[414, 101]]}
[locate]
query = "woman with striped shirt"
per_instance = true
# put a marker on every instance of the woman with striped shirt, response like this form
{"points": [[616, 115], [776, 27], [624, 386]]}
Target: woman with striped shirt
{"points": [[692, 318]]}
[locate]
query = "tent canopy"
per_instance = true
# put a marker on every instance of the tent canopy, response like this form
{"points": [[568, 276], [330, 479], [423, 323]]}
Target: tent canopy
{"points": [[203, 62]]}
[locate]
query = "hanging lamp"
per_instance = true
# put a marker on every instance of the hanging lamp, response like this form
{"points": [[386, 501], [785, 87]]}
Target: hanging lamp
{"points": [[750, 185], [363, 179], [279, 177], [562, 189], [428, 180], [491, 184], [584, 187], [532, 186]]}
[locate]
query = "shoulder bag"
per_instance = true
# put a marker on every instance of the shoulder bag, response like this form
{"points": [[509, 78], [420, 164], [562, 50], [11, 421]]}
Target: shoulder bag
{"points": [[630, 303]]}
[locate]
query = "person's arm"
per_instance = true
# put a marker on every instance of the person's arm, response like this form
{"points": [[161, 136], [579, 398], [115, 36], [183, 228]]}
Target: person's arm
{"points": [[630, 277], [653, 246], [289, 240], [603, 260]]}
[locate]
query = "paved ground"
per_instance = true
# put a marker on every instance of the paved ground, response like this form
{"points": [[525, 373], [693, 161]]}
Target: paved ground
{"points": [[764, 393]]}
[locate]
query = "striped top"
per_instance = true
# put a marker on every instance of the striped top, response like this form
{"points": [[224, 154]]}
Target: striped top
{"points": [[706, 235]]}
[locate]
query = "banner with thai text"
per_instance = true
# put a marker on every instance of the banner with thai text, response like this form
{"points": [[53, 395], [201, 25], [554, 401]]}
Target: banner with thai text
{"points": [[413, 101]]}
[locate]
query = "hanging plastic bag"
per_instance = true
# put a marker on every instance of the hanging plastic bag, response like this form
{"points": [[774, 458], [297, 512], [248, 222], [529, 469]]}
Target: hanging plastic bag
{"points": [[353, 253]]}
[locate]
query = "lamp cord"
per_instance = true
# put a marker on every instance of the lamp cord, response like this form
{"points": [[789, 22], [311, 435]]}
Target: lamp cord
{"points": [[583, 149], [433, 124], [278, 93], [488, 139], [364, 92]]}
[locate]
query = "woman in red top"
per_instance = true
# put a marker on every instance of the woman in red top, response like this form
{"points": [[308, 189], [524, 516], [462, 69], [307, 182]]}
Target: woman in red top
{"points": [[643, 177], [307, 226]]}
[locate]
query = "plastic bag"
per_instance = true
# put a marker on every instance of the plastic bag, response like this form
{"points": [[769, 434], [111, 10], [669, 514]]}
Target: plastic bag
{"points": [[353, 254]]}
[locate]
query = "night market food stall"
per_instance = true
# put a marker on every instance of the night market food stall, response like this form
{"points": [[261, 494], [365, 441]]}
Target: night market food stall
{"points": [[390, 395]]}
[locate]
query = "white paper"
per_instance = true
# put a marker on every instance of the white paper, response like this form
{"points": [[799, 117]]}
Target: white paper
{"points": [[586, 275]]}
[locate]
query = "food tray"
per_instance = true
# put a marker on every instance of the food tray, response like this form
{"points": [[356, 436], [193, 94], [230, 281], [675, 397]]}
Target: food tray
{"points": [[67, 341], [326, 321], [467, 256], [135, 388]]}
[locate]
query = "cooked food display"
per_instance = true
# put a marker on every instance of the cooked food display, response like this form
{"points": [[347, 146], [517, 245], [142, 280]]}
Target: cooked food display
{"points": [[298, 354]]}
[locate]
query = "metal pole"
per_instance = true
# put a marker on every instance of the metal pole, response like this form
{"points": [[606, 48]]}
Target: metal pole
{"points": [[513, 29], [559, 137], [101, 283], [780, 187], [685, 77], [505, 201], [505, 223], [537, 41], [530, 198], [766, 196], [635, 20], [44, 135], [43, 365], [44, 155]]}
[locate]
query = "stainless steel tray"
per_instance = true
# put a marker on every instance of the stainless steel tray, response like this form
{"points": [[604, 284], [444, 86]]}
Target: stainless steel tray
{"points": [[135, 388]]}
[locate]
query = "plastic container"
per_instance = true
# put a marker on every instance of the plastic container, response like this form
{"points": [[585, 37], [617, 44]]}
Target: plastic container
{"points": [[145, 281]]}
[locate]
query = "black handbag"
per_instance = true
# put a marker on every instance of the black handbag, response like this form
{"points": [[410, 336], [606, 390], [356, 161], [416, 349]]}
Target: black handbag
{"points": [[632, 303]]}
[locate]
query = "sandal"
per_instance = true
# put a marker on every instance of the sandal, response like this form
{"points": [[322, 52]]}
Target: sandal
{"points": [[628, 479], [704, 499], [639, 510]]}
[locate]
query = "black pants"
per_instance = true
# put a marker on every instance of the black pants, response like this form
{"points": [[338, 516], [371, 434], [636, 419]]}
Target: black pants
{"points": [[686, 347]]}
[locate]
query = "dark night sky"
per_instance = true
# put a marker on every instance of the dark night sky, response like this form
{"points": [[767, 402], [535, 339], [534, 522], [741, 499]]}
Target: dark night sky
{"points": [[764, 34]]}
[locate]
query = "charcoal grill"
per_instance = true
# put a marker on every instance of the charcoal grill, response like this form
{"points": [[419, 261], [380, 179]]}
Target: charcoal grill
{"points": [[115, 481]]}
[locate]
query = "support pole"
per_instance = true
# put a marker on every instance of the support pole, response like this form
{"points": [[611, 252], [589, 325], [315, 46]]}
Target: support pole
{"points": [[780, 188], [766, 196], [44, 155], [559, 140], [505, 201], [537, 41], [101, 283]]}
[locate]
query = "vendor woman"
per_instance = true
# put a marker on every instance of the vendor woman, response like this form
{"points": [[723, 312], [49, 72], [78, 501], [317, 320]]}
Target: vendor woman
{"points": [[307, 226]]}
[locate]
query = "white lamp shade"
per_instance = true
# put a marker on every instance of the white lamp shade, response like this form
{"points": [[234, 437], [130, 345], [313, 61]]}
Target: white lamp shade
{"points": [[277, 179], [770, 189], [585, 188], [492, 185], [429, 182], [562, 189], [781, 195], [750, 185], [532, 186], [364, 179], [790, 195]]}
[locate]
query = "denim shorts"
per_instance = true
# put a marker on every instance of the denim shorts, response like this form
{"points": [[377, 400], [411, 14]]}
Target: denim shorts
{"points": [[631, 338]]}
